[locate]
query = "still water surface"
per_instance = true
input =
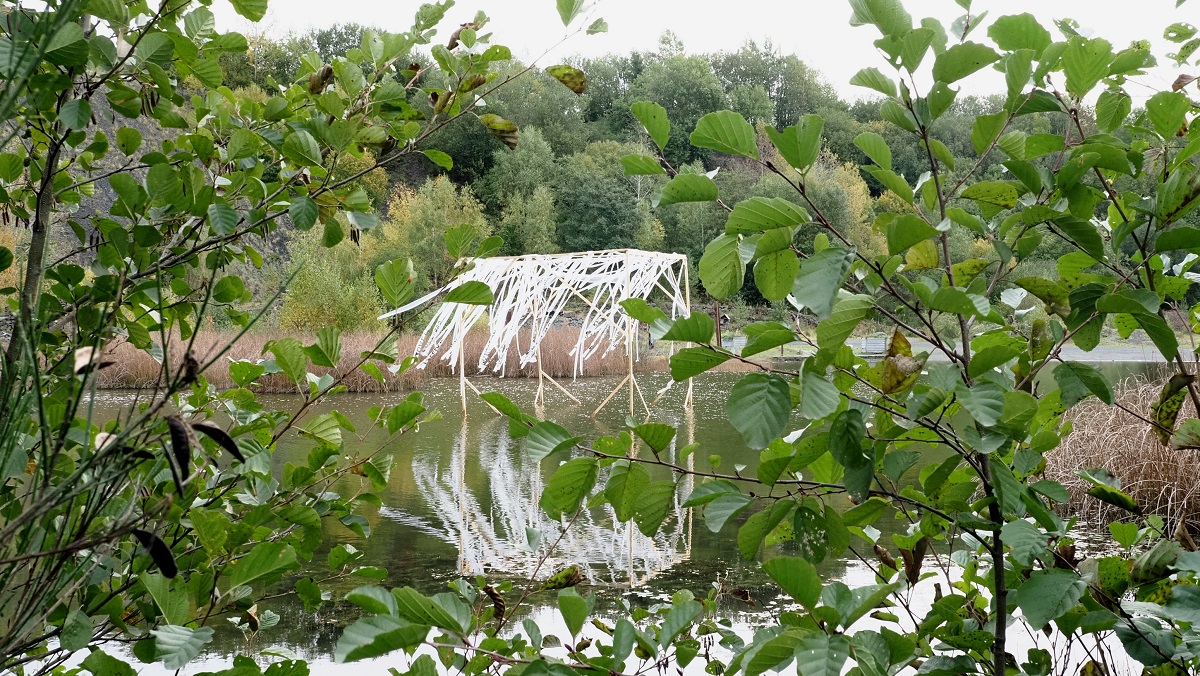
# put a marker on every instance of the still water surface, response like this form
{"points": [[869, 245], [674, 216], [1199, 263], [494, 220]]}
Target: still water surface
{"points": [[462, 499]]}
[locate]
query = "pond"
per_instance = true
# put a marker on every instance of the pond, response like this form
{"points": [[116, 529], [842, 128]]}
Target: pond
{"points": [[462, 501]]}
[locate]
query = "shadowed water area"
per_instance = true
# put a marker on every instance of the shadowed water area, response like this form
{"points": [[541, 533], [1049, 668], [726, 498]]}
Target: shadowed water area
{"points": [[462, 501]]}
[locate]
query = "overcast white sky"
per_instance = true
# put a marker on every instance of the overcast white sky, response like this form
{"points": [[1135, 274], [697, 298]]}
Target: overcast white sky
{"points": [[817, 31]]}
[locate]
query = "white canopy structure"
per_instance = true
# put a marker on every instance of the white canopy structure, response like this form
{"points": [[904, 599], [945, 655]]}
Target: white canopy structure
{"points": [[534, 291]]}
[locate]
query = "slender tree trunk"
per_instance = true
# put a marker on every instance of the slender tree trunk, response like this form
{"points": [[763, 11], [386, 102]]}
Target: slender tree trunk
{"points": [[27, 310]]}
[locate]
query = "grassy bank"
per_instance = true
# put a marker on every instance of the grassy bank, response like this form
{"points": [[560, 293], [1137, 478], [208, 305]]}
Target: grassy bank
{"points": [[1162, 480], [133, 368]]}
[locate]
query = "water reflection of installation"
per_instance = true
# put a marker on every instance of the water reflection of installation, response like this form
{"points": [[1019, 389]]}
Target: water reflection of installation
{"points": [[537, 292], [490, 524]]}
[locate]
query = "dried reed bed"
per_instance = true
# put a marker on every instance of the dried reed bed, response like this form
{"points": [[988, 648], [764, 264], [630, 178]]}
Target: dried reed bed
{"points": [[1162, 480], [133, 368]]}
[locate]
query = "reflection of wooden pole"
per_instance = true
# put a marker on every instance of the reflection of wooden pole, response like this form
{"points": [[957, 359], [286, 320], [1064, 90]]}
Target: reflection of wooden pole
{"points": [[610, 396], [629, 337], [462, 498], [462, 362], [687, 299]]}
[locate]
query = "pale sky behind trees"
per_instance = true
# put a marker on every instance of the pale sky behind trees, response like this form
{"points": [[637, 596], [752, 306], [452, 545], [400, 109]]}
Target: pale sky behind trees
{"points": [[818, 31]]}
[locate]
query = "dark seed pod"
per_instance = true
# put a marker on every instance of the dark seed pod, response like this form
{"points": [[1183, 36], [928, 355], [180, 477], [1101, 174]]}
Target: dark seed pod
{"points": [[885, 557], [181, 452], [222, 438], [159, 551], [181, 448], [498, 606]]}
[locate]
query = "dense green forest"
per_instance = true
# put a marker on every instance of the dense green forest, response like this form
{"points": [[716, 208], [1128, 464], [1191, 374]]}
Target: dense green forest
{"points": [[562, 187]]}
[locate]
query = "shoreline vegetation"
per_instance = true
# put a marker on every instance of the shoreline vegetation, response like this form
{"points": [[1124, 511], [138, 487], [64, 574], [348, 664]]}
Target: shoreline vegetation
{"points": [[135, 369], [1162, 480]]}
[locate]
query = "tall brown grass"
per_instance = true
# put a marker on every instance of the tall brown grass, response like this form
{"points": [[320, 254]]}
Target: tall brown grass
{"points": [[1162, 480], [133, 368]]}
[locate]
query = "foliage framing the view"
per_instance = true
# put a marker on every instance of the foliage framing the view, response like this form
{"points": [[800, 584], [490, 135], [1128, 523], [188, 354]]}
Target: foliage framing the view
{"points": [[143, 529]]}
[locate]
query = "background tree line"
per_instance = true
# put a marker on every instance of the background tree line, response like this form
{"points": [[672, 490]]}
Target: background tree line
{"points": [[562, 188]]}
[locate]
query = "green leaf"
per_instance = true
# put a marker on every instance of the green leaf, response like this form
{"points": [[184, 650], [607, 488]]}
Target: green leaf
{"points": [[1112, 109], [1107, 488], [327, 351], [846, 437], [290, 357], [253, 10], [892, 181], [625, 485], [775, 273], [906, 231], [75, 114], [471, 293], [228, 289], [984, 401], [722, 270], [266, 559], [847, 314], [1085, 63], [375, 600], [641, 165], [1020, 31], [222, 218], [693, 361], [439, 158], [571, 77], [687, 188], [760, 524], [172, 603], [416, 607], [875, 148], [759, 406], [821, 277], [1167, 112], [574, 609], [100, 663], [175, 646], [995, 193], [569, 486], [986, 129], [759, 214], [302, 149], [1078, 380], [129, 139], [680, 617], [568, 10], [395, 280], [801, 144], [777, 651], [873, 78], [797, 577], [697, 327], [821, 655], [304, 212], [1083, 233], [547, 438], [889, 16], [378, 635], [962, 60], [1048, 595], [721, 509], [652, 506], [653, 118], [727, 132], [598, 26], [77, 630]]}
